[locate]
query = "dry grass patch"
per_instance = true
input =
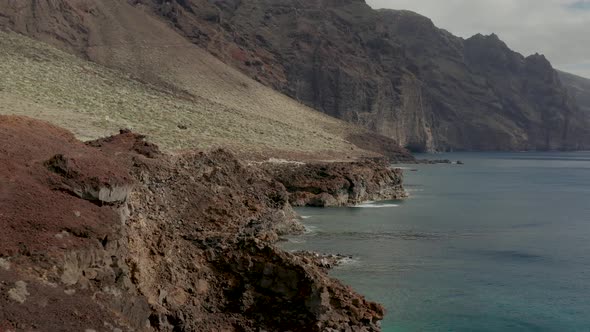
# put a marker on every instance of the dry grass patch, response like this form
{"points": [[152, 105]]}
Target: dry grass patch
{"points": [[92, 101]]}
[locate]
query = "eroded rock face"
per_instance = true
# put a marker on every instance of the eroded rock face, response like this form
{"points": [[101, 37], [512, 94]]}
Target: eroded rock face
{"points": [[55, 243], [191, 251], [80, 178], [580, 88], [339, 184], [393, 72]]}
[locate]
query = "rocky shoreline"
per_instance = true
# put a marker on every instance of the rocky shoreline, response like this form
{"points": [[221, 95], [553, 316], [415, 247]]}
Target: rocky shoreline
{"points": [[323, 261], [114, 235], [339, 184], [436, 161]]}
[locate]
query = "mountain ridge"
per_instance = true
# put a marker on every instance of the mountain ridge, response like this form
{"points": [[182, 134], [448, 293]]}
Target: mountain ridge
{"points": [[391, 71]]}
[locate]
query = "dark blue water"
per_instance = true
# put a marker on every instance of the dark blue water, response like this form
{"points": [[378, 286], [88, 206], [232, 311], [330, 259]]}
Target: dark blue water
{"points": [[499, 244]]}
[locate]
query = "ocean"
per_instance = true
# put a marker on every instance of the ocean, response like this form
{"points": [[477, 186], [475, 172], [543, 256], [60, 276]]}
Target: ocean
{"points": [[501, 243]]}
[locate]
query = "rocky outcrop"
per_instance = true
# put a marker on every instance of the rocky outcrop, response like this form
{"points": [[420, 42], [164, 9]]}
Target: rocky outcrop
{"points": [[339, 184], [393, 72], [180, 243]]}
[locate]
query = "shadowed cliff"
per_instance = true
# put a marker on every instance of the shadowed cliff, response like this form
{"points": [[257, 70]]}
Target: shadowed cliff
{"points": [[579, 88], [391, 71]]}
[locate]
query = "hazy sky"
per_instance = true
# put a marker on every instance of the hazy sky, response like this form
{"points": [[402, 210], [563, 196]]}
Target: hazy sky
{"points": [[560, 29]]}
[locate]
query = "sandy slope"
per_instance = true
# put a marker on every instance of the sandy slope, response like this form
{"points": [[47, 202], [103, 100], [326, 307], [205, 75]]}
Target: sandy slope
{"points": [[156, 82], [92, 101]]}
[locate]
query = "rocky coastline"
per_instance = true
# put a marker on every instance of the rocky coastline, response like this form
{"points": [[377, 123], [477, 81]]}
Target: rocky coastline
{"points": [[323, 261], [436, 161], [339, 184], [115, 235]]}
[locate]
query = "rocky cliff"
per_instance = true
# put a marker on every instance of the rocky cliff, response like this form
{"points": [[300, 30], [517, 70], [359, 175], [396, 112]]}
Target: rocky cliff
{"points": [[579, 87], [114, 235], [393, 72], [339, 184]]}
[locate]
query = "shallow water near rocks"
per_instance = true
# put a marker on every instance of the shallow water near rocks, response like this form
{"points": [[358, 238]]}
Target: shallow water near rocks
{"points": [[499, 244]]}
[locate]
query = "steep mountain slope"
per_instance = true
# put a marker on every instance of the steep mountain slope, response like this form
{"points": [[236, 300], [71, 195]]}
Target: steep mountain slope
{"points": [[162, 85], [579, 87], [391, 71]]}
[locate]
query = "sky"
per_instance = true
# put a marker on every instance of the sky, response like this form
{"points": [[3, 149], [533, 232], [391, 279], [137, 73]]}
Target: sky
{"points": [[560, 29]]}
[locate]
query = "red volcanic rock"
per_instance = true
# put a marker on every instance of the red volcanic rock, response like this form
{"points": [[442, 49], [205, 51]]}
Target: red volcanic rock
{"points": [[127, 141], [44, 221], [115, 235], [42, 169]]}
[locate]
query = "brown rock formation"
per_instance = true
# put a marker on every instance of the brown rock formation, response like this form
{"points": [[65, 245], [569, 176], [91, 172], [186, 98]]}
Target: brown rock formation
{"points": [[113, 235], [339, 184]]}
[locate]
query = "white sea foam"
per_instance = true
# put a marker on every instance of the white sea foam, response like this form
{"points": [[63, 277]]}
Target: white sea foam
{"points": [[372, 205], [297, 240], [310, 229], [305, 217], [348, 261]]}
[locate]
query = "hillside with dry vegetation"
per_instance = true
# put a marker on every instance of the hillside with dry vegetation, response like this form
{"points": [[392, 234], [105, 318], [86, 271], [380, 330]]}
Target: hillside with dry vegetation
{"points": [[113, 65], [92, 101]]}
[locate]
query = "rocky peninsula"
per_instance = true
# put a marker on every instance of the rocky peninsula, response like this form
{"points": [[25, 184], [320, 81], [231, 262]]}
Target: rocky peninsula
{"points": [[115, 235], [339, 183]]}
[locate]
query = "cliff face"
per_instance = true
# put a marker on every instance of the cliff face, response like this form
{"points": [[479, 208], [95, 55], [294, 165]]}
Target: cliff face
{"points": [[579, 87], [391, 71], [339, 184], [113, 235]]}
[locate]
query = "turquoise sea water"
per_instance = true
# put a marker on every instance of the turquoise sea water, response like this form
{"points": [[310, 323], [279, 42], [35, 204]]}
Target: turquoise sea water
{"points": [[499, 244]]}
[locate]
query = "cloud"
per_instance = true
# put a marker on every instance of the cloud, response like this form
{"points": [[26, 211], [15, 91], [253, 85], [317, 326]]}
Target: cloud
{"points": [[581, 69], [560, 29], [580, 5]]}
